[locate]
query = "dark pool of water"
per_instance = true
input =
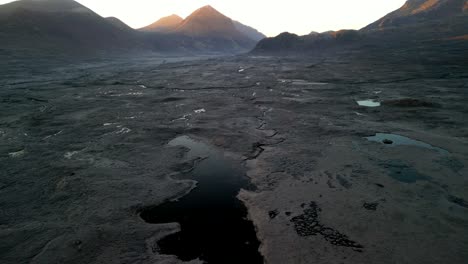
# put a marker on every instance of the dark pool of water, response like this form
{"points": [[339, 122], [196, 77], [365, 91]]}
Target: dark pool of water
{"points": [[213, 221]]}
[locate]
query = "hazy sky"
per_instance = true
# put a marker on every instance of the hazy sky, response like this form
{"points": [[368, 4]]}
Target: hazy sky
{"points": [[269, 16]]}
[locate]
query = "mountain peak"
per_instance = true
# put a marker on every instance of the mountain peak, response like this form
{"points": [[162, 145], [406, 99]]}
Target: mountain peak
{"points": [[207, 11], [207, 21], [164, 24], [208, 8]]}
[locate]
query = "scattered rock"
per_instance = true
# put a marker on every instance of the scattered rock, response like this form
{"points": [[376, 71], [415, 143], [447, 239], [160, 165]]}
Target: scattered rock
{"points": [[273, 214], [308, 224], [370, 206], [387, 141]]}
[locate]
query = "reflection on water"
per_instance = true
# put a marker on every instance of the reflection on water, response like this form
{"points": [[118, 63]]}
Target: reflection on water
{"points": [[368, 103], [397, 140]]}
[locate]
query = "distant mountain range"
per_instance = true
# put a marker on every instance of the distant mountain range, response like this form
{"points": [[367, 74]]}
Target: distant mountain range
{"points": [[65, 26], [208, 29], [205, 22], [416, 23]]}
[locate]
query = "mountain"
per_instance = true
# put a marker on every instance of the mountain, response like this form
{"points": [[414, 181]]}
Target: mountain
{"points": [[417, 24], [119, 24], [283, 42], [420, 11], [214, 31], [207, 29], [250, 32], [52, 6], [208, 22], [59, 26], [291, 43], [52, 27], [165, 24], [422, 21]]}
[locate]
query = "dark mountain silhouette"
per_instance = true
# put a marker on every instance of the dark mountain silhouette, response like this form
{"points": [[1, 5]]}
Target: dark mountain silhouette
{"points": [[119, 24], [59, 25], [284, 41], [291, 43], [417, 24], [207, 29], [250, 32], [67, 27], [45, 6], [205, 21], [165, 24]]}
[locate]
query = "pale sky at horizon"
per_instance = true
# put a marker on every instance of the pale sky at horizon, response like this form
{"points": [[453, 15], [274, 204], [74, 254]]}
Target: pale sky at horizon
{"points": [[269, 17]]}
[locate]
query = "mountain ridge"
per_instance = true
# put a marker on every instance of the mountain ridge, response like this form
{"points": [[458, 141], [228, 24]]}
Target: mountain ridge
{"points": [[250, 32], [416, 11], [418, 23], [67, 27], [194, 25], [208, 28], [60, 26], [119, 23], [164, 24]]}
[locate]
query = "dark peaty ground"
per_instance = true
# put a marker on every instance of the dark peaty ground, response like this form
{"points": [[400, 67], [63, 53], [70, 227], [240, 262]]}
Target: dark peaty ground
{"points": [[83, 149]]}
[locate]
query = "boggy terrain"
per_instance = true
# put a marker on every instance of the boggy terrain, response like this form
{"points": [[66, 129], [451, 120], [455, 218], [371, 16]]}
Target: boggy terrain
{"points": [[84, 154]]}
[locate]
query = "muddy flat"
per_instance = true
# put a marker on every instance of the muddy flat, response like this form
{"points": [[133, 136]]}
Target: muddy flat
{"points": [[90, 173]]}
